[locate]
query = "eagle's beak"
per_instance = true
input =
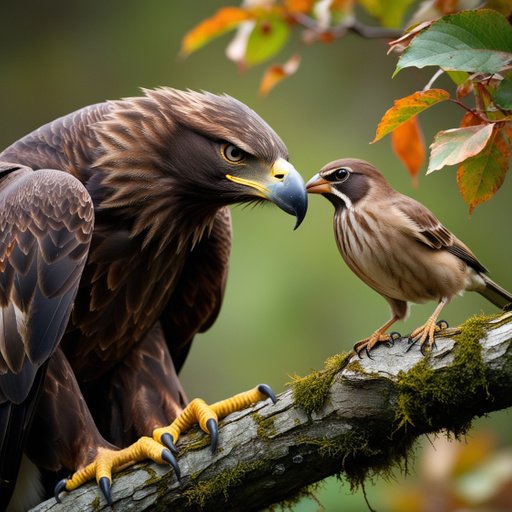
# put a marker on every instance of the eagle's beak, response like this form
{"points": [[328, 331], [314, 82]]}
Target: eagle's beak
{"points": [[317, 185], [283, 186], [288, 190]]}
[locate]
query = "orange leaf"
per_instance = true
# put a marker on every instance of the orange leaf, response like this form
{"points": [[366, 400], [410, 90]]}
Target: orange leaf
{"points": [[408, 144], [276, 74], [298, 6], [480, 177], [222, 21], [405, 108]]}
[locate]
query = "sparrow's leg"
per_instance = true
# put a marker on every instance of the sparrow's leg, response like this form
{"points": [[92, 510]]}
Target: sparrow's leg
{"points": [[379, 336], [424, 335]]}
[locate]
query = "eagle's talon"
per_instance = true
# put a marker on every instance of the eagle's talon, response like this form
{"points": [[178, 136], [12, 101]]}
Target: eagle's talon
{"points": [[167, 440], [59, 487], [171, 460], [267, 391], [394, 336], [104, 484], [213, 429]]}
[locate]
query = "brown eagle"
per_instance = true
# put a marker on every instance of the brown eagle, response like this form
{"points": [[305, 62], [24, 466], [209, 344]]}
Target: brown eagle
{"points": [[114, 249]]}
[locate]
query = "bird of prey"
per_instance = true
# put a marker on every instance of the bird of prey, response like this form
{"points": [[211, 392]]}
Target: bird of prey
{"points": [[398, 247], [115, 236]]}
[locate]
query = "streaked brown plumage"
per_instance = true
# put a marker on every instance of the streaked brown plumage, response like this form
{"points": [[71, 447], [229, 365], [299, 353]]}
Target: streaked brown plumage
{"points": [[398, 247], [160, 171]]}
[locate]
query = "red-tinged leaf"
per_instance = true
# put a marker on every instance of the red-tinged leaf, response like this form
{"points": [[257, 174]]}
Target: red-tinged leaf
{"points": [[222, 21], [451, 147], [469, 119], [480, 177], [408, 144], [276, 74], [410, 106]]}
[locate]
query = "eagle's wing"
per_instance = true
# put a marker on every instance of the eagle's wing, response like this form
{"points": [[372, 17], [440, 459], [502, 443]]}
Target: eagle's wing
{"points": [[196, 302], [429, 231], [46, 222]]}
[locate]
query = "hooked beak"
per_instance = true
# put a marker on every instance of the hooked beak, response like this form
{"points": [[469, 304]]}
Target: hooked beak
{"points": [[317, 185], [284, 187]]}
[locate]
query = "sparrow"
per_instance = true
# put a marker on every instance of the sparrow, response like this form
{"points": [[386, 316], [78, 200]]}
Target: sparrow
{"points": [[399, 248]]}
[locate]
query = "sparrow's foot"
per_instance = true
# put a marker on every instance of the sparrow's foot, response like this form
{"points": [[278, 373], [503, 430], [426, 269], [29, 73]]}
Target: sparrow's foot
{"points": [[376, 338], [425, 334], [207, 416], [110, 461]]}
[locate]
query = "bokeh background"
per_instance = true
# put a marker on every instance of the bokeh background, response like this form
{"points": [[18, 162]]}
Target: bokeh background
{"points": [[290, 301]]}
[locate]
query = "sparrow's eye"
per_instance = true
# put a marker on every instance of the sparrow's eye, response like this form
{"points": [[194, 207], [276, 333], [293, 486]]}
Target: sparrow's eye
{"points": [[340, 174], [232, 154]]}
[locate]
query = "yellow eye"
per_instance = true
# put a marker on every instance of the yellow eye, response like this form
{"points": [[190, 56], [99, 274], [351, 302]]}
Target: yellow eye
{"points": [[232, 154]]}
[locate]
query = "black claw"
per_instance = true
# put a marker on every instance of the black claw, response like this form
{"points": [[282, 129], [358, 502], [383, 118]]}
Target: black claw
{"points": [[104, 484], [367, 351], [212, 427], [170, 459], [267, 391], [442, 324], [411, 342], [167, 440], [395, 335], [61, 486]]}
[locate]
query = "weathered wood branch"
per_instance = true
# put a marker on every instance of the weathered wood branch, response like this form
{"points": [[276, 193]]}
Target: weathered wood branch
{"points": [[368, 415]]}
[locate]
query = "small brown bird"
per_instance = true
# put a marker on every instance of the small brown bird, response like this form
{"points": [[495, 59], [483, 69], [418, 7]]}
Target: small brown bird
{"points": [[398, 247]]}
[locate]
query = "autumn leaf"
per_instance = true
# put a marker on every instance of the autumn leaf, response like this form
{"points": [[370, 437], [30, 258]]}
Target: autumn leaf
{"points": [[405, 108], [480, 177], [298, 6], [222, 21], [408, 144], [451, 147], [275, 74]]}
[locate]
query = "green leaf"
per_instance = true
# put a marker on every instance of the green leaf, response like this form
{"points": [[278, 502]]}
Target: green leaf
{"points": [[474, 41], [480, 177], [267, 38], [503, 95], [454, 146]]}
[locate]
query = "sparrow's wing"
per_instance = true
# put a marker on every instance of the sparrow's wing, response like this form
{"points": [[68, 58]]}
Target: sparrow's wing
{"points": [[426, 228]]}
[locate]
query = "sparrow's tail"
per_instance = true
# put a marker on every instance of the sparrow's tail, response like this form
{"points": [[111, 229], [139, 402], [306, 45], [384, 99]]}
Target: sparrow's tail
{"points": [[495, 293]]}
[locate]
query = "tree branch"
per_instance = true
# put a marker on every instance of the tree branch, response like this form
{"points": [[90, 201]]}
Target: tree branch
{"points": [[362, 420]]}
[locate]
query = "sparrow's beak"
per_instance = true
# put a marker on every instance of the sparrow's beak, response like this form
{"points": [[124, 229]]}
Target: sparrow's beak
{"points": [[317, 185]]}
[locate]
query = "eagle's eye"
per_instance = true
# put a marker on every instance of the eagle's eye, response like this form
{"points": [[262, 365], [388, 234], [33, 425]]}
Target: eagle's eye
{"points": [[233, 154], [340, 174]]}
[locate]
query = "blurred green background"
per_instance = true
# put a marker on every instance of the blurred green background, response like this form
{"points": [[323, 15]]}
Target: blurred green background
{"points": [[290, 301]]}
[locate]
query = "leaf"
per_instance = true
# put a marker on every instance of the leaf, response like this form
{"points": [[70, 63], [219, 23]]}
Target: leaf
{"points": [[298, 6], [268, 36], [275, 74], [474, 41], [408, 144], [222, 21], [480, 177], [389, 12], [405, 108], [503, 94], [454, 146]]}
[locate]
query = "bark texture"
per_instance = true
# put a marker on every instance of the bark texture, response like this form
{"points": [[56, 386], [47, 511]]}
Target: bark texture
{"points": [[357, 419]]}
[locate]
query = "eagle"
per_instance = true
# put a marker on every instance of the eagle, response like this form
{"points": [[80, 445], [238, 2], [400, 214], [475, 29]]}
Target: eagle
{"points": [[115, 236]]}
